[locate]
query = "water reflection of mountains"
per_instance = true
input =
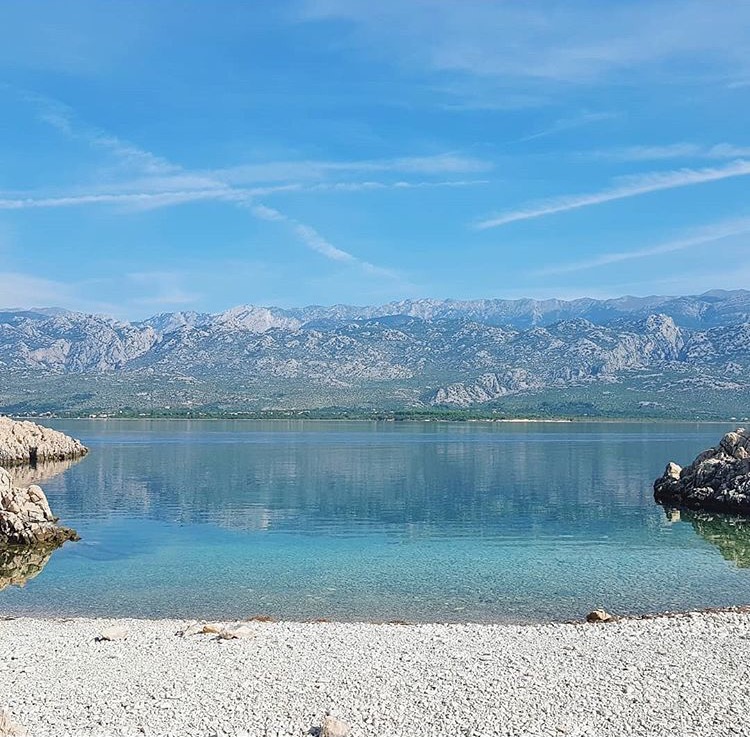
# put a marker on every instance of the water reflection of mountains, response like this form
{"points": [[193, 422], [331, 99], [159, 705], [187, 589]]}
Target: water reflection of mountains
{"points": [[731, 535], [301, 484]]}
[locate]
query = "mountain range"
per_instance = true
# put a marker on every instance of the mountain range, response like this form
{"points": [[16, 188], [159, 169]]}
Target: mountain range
{"points": [[632, 356]]}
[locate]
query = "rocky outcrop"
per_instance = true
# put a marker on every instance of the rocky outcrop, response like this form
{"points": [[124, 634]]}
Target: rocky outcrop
{"points": [[26, 518], [28, 443], [717, 480], [486, 388]]}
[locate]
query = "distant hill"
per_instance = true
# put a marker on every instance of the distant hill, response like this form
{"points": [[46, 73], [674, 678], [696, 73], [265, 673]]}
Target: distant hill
{"points": [[631, 356]]}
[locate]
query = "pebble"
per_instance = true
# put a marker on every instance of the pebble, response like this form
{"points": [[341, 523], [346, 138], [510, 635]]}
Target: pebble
{"points": [[333, 727], [115, 632], [380, 680]]}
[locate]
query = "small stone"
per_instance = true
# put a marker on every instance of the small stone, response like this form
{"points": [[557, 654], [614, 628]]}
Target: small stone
{"points": [[333, 727], [599, 615], [116, 632]]}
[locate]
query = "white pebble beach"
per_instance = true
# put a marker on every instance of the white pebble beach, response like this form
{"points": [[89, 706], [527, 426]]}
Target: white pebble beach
{"points": [[680, 675]]}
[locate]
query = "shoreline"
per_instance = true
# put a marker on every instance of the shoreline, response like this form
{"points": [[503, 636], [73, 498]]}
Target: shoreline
{"points": [[670, 674], [400, 420], [741, 609]]}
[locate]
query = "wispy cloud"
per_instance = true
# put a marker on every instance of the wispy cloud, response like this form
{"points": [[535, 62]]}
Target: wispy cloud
{"points": [[306, 233], [156, 172], [316, 242], [531, 44], [63, 119], [625, 187], [160, 182], [673, 151], [374, 185], [152, 199], [306, 170], [566, 124], [702, 236]]}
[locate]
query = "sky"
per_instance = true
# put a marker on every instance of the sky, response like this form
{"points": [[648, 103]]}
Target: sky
{"points": [[185, 155]]}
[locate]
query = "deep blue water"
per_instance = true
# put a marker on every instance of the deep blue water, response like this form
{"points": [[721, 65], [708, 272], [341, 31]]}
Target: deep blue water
{"points": [[379, 521]]}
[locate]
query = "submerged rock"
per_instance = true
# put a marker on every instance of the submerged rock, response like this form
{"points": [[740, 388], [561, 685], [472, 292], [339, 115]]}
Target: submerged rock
{"points": [[717, 480], [29, 443], [26, 518]]}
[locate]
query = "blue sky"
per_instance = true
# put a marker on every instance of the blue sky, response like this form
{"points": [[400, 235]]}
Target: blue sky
{"points": [[160, 156]]}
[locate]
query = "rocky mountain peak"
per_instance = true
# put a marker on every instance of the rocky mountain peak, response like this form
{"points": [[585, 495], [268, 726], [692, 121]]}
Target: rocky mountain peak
{"points": [[255, 319]]}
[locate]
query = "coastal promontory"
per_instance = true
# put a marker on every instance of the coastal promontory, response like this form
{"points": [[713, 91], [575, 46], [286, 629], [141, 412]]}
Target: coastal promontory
{"points": [[26, 519], [718, 480], [23, 442]]}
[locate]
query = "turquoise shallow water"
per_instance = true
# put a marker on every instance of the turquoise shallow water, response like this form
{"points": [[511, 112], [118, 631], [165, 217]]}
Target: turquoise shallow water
{"points": [[379, 521]]}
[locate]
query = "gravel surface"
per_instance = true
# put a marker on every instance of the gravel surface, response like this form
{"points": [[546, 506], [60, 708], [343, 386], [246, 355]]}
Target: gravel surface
{"points": [[684, 675]]}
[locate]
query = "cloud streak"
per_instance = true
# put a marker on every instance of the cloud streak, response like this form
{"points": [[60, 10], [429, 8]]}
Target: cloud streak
{"points": [[682, 150], [567, 124], [528, 44], [316, 242], [628, 187], [153, 200], [62, 118], [374, 185], [709, 234], [163, 183], [306, 170]]}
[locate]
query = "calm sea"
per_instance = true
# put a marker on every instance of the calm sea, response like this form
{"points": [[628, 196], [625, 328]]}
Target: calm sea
{"points": [[380, 521]]}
